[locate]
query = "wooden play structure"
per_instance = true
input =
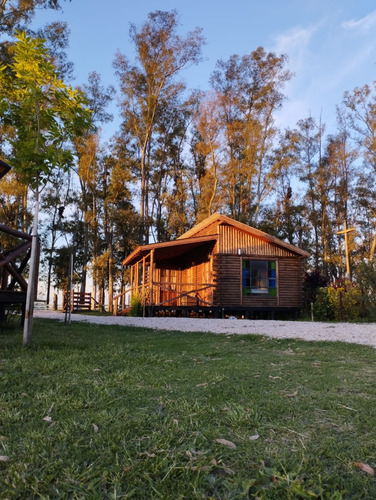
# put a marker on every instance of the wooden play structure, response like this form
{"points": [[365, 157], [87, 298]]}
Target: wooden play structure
{"points": [[15, 248], [220, 267]]}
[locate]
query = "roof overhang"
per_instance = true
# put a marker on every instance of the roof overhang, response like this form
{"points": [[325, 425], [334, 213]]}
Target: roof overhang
{"points": [[167, 249], [4, 168]]}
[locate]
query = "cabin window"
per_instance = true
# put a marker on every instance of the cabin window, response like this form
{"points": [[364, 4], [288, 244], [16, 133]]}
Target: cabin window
{"points": [[259, 277]]}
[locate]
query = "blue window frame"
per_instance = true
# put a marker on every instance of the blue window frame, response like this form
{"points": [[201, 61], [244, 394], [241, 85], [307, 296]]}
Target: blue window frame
{"points": [[259, 277]]}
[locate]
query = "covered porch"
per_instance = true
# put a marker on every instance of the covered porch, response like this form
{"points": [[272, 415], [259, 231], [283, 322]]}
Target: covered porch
{"points": [[171, 275]]}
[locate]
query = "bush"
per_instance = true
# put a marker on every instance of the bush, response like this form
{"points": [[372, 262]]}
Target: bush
{"points": [[339, 303], [313, 282], [322, 307], [345, 301], [139, 303], [136, 306], [365, 276]]}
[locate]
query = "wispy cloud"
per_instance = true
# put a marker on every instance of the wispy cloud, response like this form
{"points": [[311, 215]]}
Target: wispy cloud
{"points": [[363, 25], [294, 40], [297, 43], [350, 65]]}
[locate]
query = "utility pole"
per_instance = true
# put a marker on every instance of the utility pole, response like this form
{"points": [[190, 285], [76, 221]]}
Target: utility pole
{"points": [[345, 232]]}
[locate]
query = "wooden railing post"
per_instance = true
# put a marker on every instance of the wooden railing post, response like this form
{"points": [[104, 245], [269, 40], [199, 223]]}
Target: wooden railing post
{"points": [[151, 278]]}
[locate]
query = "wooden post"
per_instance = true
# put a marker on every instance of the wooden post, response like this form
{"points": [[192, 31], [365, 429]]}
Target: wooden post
{"points": [[345, 232], [151, 277], [70, 298], [33, 277], [143, 285]]}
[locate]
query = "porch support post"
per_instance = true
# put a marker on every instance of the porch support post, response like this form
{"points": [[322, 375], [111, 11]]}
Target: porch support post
{"points": [[151, 278], [132, 279], [143, 275], [143, 285], [136, 281]]}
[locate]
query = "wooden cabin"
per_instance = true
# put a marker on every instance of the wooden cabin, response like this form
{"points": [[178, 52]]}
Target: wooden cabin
{"points": [[220, 267]]}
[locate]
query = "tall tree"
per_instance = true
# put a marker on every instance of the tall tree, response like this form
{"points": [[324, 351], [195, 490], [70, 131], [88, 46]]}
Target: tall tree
{"points": [[45, 114], [361, 107], [210, 128], [89, 151], [161, 55], [16, 14], [54, 200], [309, 138], [251, 88], [168, 195]]}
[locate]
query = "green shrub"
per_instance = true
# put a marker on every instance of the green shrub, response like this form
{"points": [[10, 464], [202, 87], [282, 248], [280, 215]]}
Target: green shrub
{"points": [[345, 301], [322, 307], [365, 276], [341, 303], [136, 306]]}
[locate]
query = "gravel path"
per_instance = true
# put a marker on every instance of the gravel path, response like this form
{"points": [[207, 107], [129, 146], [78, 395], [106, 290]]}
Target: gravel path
{"points": [[344, 332]]}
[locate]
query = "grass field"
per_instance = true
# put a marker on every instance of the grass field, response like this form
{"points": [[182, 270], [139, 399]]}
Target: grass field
{"points": [[102, 412]]}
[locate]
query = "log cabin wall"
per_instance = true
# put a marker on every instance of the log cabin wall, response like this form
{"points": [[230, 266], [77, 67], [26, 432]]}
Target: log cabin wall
{"points": [[227, 275], [290, 282], [233, 247], [227, 278]]}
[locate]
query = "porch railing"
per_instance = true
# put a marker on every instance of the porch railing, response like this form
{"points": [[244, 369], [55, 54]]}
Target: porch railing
{"points": [[166, 294]]}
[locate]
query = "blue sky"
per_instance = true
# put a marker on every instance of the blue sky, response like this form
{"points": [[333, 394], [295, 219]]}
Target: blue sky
{"points": [[331, 44]]}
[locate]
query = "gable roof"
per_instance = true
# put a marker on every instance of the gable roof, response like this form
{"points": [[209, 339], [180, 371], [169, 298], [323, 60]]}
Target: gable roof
{"points": [[193, 238], [217, 219]]}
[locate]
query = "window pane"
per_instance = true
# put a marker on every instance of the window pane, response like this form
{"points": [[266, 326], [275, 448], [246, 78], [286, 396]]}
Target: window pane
{"points": [[259, 277]]}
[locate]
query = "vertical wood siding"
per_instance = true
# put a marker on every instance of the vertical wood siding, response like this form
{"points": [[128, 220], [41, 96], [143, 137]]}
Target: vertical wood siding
{"points": [[232, 239]]}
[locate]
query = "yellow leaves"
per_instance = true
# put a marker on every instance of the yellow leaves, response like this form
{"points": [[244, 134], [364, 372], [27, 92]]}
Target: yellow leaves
{"points": [[32, 70], [226, 442], [11, 188], [87, 148], [344, 301], [48, 418], [292, 394], [365, 468], [147, 454], [254, 437], [204, 465]]}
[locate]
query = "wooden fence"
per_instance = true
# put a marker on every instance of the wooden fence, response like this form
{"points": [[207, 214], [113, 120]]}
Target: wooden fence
{"points": [[79, 301]]}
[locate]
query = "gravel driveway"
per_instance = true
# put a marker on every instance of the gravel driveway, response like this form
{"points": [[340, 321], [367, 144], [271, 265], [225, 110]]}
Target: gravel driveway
{"points": [[344, 332]]}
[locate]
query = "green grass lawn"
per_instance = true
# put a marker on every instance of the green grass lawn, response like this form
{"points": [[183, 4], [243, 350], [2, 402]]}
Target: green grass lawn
{"points": [[99, 412]]}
